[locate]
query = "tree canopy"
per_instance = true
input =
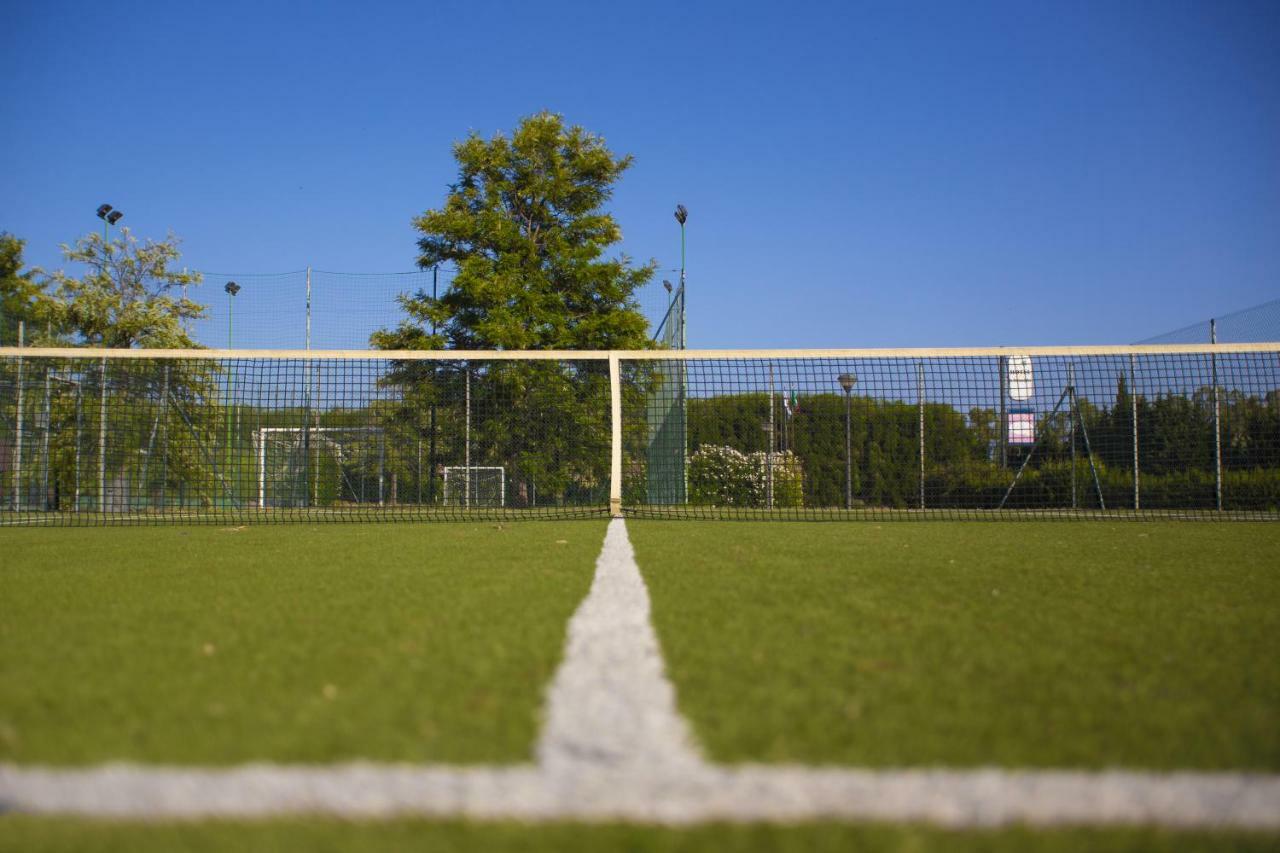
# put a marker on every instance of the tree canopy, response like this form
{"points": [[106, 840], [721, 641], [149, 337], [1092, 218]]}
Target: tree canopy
{"points": [[129, 296], [525, 229], [19, 291]]}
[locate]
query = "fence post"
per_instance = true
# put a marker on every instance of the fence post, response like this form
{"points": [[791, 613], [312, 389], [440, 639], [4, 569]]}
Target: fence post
{"points": [[920, 402], [310, 485], [768, 459], [102, 442], [615, 441], [1071, 435], [17, 448], [1133, 418], [308, 308], [466, 488], [1217, 419], [48, 426], [1003, 425]]}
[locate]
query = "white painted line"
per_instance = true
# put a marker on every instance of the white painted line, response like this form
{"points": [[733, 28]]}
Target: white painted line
{"points": [[956, 798], [610, 706], [615, 748]]}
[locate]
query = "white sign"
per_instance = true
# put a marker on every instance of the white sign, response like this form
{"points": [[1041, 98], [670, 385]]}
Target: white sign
{"points": [[1021, 426], [1021, 384]]}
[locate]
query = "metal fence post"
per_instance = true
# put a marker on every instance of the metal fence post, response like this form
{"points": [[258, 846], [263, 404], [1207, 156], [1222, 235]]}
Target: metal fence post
{"points": [[1133, 418], [466, 488], [102, 441], [920, 401], [48, 427], [615, 437], [768, 463], [1071, 435], [17, 449], [1217, 419], [310, 486], [1003, 425]]}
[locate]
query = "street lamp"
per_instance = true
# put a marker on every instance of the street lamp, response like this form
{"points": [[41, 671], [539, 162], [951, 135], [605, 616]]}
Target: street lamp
{"points": [[109, 217], [232, 289], [847, 381], [682, 214]]}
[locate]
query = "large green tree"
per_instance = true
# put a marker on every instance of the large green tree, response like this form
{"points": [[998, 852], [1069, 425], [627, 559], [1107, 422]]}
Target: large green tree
{"points": [[525, 229]]}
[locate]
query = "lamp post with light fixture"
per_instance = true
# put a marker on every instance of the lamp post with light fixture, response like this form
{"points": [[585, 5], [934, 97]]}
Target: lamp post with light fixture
{"points": [[232, 289], [847, 381]]}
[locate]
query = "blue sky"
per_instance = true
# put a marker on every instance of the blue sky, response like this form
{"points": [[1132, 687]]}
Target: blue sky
{"points": [[857, 174]]}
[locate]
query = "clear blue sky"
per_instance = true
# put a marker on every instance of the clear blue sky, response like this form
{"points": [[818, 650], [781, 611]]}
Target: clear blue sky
{"points": [[857, 174]]}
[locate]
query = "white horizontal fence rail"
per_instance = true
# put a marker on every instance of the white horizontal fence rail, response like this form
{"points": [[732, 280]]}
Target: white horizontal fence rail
{"points": [[639, 355]]}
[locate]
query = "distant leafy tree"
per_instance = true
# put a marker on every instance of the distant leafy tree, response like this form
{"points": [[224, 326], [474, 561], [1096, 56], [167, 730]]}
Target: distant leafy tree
{"points": [[19, 291], [525, 229], [129, 295]]}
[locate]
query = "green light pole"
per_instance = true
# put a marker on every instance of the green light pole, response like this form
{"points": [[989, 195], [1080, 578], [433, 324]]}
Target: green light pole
{"points": [[109, 217], [682, 214], [232, 289], [847, 381]]}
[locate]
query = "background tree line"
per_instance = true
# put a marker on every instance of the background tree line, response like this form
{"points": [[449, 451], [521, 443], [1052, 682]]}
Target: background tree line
{"points": [[1175, 449]]}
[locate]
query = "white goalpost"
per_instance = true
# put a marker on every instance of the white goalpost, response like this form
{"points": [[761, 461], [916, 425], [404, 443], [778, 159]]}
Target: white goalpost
{"points": [[475, 485], [328, 440]]}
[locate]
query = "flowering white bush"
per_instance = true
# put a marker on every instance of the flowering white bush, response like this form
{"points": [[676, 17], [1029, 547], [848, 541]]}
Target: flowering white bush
{"points": [[723, 476]]}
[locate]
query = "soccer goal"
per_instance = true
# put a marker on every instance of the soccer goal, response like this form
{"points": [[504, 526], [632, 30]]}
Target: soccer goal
{"points": [[320, 466], [475, 486]]}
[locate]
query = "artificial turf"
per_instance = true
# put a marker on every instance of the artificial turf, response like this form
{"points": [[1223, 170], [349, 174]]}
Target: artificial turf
{"points": [[300, 643], [33, 835], [1143, 645]]}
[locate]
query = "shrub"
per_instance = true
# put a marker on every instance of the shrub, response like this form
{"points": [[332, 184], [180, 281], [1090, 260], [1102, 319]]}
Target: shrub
{"points": [[723, 476]]}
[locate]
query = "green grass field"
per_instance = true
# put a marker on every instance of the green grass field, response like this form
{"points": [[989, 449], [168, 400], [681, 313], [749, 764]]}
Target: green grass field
{"points": [[1147, 645], [38, 835], [291, 643]]}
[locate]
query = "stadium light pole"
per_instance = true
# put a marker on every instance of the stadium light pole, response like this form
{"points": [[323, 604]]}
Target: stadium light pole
{"points": [[431, 449], [109, 217], [232, 289], [847, 381], [682, 214]]}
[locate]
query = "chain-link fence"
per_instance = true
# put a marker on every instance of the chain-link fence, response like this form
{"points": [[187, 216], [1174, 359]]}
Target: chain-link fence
{"points": [[131, 436], [1249, 325], [332, 310]]}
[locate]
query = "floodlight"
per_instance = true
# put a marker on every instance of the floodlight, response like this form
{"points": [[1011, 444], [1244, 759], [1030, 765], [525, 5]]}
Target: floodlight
{"points": [[114, 216], [681, 213], [847, 381], [232, 288], [667, 285], [103, 210]]}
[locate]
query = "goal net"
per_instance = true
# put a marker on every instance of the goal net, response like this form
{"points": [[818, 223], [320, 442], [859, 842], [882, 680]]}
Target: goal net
{"points": [[476, 486], [320, 466]]}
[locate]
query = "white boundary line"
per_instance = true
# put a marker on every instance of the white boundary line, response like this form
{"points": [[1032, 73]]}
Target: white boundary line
{"points": [[615, 748]]}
